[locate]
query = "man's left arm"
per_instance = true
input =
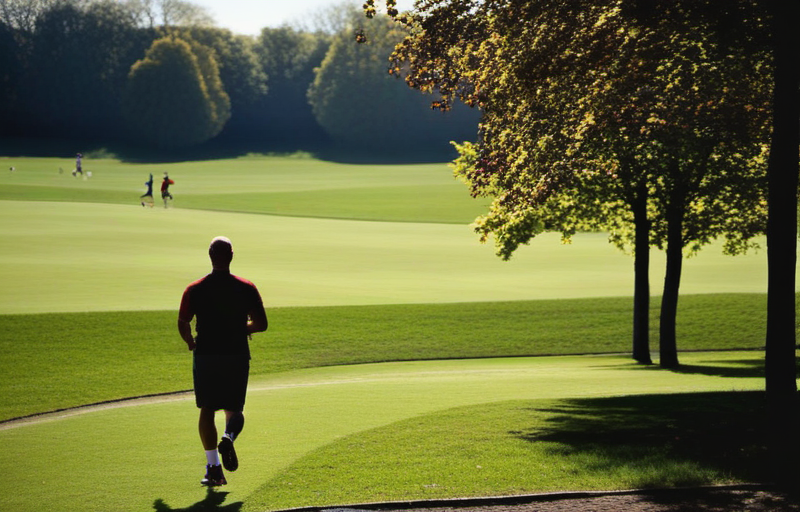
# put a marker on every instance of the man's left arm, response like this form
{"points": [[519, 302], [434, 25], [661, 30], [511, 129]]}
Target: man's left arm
{"points": [[257, 321]]}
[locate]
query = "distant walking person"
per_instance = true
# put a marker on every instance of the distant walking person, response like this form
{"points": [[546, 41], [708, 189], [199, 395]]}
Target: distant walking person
{"points": [[227, 310], [78, 166], [165, 189], [148, 195]]}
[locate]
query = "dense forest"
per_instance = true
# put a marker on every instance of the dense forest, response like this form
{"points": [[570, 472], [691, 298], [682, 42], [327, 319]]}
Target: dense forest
{"points": [[157, 74]]}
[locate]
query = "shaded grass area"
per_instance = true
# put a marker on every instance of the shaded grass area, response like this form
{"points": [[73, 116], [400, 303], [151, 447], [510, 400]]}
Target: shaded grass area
{"points": [[520, 447], [51, 361]]}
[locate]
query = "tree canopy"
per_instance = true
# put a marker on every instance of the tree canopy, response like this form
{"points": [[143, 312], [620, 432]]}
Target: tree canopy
{"points": [[174, 96], [358, 103], [242, 76], [289, 57], [65, 65]]}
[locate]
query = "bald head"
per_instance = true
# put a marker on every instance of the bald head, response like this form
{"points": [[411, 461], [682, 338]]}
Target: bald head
{"points": [[221, 253]]}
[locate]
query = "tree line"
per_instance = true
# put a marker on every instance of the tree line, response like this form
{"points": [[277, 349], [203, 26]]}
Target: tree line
{"points": [[158, 73]]}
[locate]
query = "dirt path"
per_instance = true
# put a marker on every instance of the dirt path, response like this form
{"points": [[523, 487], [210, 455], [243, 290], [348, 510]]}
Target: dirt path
{"points": [[710, 499], [86, 409]]}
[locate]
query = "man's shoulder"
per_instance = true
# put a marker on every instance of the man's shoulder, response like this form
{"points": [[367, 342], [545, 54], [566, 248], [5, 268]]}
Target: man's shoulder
{"points": [[197, 282], [243, 280], [215, 280]]}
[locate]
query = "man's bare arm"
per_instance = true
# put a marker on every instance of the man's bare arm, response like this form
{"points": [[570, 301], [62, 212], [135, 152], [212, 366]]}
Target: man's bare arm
{"points": [[258, 321], [185, 328]]}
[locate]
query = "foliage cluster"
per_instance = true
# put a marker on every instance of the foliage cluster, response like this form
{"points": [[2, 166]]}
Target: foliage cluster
{"points": [[357, 112], [583, 103], [174, 96]]}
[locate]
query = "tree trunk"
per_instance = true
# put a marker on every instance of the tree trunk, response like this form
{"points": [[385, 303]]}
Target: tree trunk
{"points": [[641, 291], [780, 363], [668, 347]]}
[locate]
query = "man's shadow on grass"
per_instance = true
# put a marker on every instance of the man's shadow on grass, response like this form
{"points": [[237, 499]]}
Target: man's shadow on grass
{"points": [[213, 502]]}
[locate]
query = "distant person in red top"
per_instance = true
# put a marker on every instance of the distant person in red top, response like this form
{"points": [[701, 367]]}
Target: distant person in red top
{"points": [[165, 189], [227, 310]]}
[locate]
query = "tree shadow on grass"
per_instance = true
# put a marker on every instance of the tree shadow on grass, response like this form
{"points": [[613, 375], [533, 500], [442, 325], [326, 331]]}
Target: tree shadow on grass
{"points": [[665, 440], [744, 369], [737, 369], [213, 502], [747, 368]]}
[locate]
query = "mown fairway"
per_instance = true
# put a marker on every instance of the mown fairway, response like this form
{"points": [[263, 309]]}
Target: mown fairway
{"points": [[296, 185], [92, 281], [62, 251]]}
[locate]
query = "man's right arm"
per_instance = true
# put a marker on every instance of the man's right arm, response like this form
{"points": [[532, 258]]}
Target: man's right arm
{"points": [[185, 328], [185, 316]]}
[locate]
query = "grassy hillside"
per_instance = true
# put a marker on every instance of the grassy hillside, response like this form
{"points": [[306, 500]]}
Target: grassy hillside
{"points": [[85, 246], [357, 265]]}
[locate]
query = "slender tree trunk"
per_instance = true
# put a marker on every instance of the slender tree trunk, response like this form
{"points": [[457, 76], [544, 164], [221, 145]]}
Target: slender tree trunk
{"points": [[641, 291], [668, 347], [780, 363]]}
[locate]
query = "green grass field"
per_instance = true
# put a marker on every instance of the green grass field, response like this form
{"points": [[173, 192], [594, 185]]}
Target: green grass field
{"points": [[293, 185], [388, 321], [301, 426]]}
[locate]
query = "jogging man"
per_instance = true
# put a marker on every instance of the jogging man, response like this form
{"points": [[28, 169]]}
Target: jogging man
{"points": [[227, 309]]}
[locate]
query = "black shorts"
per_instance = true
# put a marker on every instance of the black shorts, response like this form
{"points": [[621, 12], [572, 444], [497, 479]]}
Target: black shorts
{"points": [[220, 381]]}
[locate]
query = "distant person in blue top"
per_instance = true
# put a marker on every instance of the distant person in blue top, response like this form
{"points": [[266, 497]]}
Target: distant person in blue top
{"points": [[149, 193]]}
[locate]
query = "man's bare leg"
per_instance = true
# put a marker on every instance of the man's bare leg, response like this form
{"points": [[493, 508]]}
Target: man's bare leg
{"points": [[208, 430], [234, 423]]}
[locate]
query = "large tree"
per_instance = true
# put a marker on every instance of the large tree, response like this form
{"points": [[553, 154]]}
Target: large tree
{"points": [[528, 66], [76, 65], [288, 57], [361, 105], [174, 96], [699, 110], [607, 104], [240, 71], [735, 22]]}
